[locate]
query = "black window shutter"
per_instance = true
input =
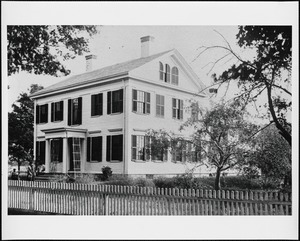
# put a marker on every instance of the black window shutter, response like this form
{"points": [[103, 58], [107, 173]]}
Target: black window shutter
{"points": [[134, 98], [93, 105], [101, 105], [99, 157], [52, 112], [69, 112], [88, 149], [37, 116], [147, 101], [37, 150], [60, 142], [109, 102], [119, 147], [108, 148], [121, 101], [79, 110], [61, 114], [70, 139], [46, 113], [42, 151]]}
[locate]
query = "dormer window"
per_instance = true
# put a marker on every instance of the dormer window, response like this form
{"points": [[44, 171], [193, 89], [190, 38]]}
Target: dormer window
{"points": [[161, 71], [167, 74], [174, 76]]}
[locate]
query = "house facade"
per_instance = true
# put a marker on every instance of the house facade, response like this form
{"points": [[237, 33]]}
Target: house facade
{"points": [[101, 117]]}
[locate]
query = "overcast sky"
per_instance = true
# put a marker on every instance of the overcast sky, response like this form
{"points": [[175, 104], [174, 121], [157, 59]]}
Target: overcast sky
{"points": [[115, 44]]}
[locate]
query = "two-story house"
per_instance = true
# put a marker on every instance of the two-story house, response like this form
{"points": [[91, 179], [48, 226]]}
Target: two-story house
{"points": [[100, 118]]}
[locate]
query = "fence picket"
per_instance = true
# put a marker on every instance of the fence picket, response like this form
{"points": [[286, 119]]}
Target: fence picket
{"points": [[84, 199]]}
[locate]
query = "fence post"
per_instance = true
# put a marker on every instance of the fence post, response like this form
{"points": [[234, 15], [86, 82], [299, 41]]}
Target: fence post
{"points": [[31, 198]]}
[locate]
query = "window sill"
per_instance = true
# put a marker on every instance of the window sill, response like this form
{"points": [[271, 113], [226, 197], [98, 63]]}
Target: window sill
{"points": [[140, 113], [57, 121], [117, 113], [114, 161], [95, 161], [43, 123], [138, 161], [95, 116], [159, 116]]}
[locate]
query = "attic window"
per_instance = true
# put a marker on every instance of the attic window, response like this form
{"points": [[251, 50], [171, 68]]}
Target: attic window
{"points": [[174, 76], [161, 71], [167, 74]]}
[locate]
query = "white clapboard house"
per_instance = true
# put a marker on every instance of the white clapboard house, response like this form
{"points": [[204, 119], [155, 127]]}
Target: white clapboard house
{"points": [[100, 118]]}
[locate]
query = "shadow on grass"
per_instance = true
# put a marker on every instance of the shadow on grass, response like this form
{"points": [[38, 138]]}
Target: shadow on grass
{"points": [[14, 211]]}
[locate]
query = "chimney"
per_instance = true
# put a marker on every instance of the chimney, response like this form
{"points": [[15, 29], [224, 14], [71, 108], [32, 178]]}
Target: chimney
{"points": [[89, 62], [145, 46]]}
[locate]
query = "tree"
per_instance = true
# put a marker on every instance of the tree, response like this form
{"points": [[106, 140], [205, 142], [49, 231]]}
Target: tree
{"points": [[37, 48], [20, 128], [268, 73], [223, 135], [220, 140], [270, 154]]}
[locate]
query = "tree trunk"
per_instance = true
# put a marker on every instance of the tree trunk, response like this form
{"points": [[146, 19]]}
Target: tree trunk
{"points": [[282, 131], [218, 180]]}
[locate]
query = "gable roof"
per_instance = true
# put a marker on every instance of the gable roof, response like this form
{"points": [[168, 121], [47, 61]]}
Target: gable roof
{"points": [[99, 74]]}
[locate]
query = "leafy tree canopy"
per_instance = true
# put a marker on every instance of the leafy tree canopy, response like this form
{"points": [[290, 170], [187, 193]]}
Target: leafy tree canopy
{"points": [[20, 127], [37, 48], [267, 74]]}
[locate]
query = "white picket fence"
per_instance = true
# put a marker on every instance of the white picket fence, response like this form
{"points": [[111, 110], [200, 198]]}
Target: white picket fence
{"points": [[87, 199]]}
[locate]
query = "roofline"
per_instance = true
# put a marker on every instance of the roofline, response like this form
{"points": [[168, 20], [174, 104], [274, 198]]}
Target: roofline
{"points": [[167, 86], [79, 85]]}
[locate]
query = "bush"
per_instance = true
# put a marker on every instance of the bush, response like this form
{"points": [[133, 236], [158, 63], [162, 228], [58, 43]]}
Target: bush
{"points": [[163, 182], [107, 172], [143, 182], [120, 180]]}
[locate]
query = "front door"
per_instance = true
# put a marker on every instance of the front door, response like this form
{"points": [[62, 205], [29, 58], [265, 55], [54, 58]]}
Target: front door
{"points": [[75, 154]]}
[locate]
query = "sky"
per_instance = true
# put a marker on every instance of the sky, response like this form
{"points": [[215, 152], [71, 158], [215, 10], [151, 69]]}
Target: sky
{"points": [[117, 43]]}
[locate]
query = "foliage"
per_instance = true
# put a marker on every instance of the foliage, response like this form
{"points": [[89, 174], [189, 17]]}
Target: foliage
{"points": [[143, 182], [20, 128], [271, 155], [107, 172], [267, 74], [222, 134], [37, 48]]}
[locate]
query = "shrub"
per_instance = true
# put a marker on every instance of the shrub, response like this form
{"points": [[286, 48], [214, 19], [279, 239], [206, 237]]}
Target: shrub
{"points": [[163, 182], [120, 180], [107, 172], [143, 182]]}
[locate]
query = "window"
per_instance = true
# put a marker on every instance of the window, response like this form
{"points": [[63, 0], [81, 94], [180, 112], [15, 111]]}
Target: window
{"points": [[174, 76], [140, 147], [161, 71], [167, 74], [41, 114], [160, 105], [114, 148], [57, 111], [177, 109], [94, 149], [140, 102], [56, 150], [40, 152], [97, 104], [115, 101], [179, 151], [159, 149], [75, 111]]}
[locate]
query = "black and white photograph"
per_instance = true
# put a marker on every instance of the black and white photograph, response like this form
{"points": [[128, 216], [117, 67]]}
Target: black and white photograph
{"points": [[175, 124]]}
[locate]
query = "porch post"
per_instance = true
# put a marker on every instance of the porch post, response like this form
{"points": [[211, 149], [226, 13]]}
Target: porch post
{"points": [[65, 154], [47, 155]]}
